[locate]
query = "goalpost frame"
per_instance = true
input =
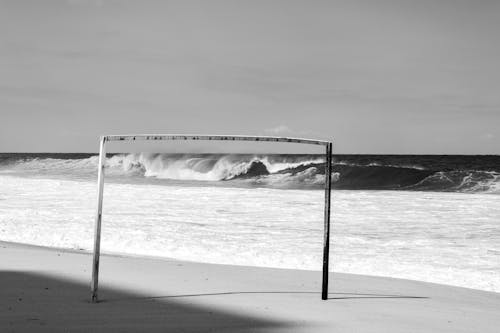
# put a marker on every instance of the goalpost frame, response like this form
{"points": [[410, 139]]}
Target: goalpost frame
{"points": [[159, 137]]}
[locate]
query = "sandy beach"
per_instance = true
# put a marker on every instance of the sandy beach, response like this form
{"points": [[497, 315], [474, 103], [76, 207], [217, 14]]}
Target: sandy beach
{"points": [[47, 290]]}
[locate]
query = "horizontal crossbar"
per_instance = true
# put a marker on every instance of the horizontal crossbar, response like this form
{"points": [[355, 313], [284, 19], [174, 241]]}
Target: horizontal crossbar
{"points": [[212, 137]]}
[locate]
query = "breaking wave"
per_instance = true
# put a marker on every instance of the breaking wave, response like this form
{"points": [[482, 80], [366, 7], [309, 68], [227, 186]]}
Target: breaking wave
{"points": [[277, 171]]}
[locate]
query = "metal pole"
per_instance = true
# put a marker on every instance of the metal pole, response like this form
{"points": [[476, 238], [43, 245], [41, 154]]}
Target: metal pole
{"points": [[326, 239], [98, 219]]}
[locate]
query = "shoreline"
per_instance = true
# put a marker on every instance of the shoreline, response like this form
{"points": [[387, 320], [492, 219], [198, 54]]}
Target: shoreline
{"points": [[168, 259], [48, 289]]}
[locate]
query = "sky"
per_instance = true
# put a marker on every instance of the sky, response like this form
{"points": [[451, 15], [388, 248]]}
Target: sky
{"points": [[377, 77]]}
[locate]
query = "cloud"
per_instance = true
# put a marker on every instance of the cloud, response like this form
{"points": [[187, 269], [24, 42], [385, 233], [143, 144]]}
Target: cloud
{"points": [[487, 136], [280, 129]]}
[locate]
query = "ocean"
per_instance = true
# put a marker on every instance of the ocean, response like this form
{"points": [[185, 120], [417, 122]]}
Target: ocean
{"points": [[430, 218]]}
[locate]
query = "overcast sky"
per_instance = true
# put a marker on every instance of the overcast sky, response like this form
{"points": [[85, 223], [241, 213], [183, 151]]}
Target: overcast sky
{"points": [[374, 76]]}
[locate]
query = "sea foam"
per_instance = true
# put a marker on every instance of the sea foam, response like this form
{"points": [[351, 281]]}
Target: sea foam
{"points": [[450, 238]]}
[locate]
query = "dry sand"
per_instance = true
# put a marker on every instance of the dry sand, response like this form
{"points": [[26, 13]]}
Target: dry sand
{"points": [[47, 290]]}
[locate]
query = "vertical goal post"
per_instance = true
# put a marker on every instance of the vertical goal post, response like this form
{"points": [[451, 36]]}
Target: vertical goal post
{"points": [[186, 137]]}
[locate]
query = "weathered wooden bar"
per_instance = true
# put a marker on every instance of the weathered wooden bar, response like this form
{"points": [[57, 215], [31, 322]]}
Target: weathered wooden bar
{"points": [[98, 219], [214, 138], [159, 137]]}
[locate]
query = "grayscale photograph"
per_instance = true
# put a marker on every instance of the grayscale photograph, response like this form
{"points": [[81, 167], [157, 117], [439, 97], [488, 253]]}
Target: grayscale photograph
{"points": [[250, 166]]}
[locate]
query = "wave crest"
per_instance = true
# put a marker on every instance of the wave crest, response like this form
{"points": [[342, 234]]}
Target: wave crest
{"points": [[202, 168], [277, 171]]}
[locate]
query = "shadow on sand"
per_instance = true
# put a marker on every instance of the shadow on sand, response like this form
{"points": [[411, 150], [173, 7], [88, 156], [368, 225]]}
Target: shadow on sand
{"points": [[32, 303]]}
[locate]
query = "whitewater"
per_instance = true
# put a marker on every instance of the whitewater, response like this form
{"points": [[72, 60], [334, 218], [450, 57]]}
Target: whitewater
{"points": [[264, 211]]}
